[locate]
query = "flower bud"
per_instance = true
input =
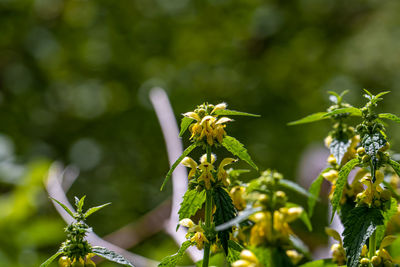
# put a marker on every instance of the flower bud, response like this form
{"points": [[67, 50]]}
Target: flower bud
{"points": [[331, 160], [328, 141], [366, 158], [376, 261], [64, 262], [361, 151], [242, 263], [364, 262], [248, 256], [187, 223]]}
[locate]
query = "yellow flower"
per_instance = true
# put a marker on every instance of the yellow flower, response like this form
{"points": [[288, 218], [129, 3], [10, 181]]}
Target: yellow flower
{"points": [[206, 168], [294, 256], [220, 106], [222, 174], [237, 193], [331, 175], [190, 163], [199, 238], [192, 115], [247, 259]]}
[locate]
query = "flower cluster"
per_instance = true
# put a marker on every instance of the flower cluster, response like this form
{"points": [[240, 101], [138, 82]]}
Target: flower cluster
{"points": [[207, 125], [205, 173], [195, 233]]}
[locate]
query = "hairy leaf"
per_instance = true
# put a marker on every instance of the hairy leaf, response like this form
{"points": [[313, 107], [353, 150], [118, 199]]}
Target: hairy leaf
{"points": [[51, 259], [94, 209], [111, 256], [227, 112], [192, 202], [380, 231], [225, 211], [64, 207], [338, 148], [358, 227], [310, 118], [314, 190], [172, 260], [341, 182], [237, 149], [173, 167], [185, 123], [372, 144], [352, 111], [389, 116], [243, 215], [234, 250], [295, 187]]}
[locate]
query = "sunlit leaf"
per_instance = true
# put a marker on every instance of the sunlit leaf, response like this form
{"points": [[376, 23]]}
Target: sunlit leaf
{"points": [[352, 111], [94, 209], [192, 201], [295, 187], [310, 118], [176, 163], [172, 260], [389, 116], [238, 149], [227, 112], [185, 123], [64, 207], [338, 148], [111, 256], [51, 259]]}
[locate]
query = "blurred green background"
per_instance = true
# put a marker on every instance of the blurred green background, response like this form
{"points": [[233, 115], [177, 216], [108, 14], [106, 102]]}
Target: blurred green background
{"points": [[75, 77]]}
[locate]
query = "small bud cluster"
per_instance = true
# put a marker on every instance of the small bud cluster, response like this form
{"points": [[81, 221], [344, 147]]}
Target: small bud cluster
{"points": [[381, 258], [207, 127], [195, 233]]}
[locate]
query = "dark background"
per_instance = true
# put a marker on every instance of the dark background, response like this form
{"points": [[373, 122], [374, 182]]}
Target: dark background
{"points": [[75, 77]]}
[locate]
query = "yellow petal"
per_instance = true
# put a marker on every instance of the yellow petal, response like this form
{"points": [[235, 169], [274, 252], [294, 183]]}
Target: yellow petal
{"points": [[223, 120], [186, 223], [192, 115], [189, 162], [226, 161], [219, 107]]}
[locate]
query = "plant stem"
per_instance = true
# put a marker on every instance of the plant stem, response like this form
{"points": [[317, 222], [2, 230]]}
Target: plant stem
{"points": [[372, 245], [208, 214]]}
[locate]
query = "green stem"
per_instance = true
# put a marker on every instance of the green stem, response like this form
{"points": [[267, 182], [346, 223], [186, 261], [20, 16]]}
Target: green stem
{"points": [[372, 245], [208, 214]]}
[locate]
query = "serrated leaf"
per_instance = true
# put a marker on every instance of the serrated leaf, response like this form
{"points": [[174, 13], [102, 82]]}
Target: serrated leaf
{"points": [[372, 144], [338, 148], [303, 216], [314, 190], [192, 202], [234, 250], [358, 227], [295, 187], [243, 215], [94, 209], [387, 215], [64, 207], [352, 111], [310, 118], [389, 116], [341, 182], [51, 259], [225, 211], [395, 165], [176, 163], [237, 149], [228, 112], [172, 260], [111, 256], [185, 123]]}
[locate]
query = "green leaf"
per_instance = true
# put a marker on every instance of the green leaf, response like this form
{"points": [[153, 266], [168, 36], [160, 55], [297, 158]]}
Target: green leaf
{"points": [[243, 215], [341, 182], [64, 207], [111, 256], [295, 187], [185, 123], [372, 144], [263, 254], [51, 259], [227, 112], [172, 260], [94, 209], [338, 148], [395, 165], [303, 216], [299, 245], [389, 116], [184, 154], [387, 215], [192, 202], [237, 149], [352, 111], [320, 263], [225, 211], [234, 250], [79, 203], [358, 227], [310, 118], [314, 190]]}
